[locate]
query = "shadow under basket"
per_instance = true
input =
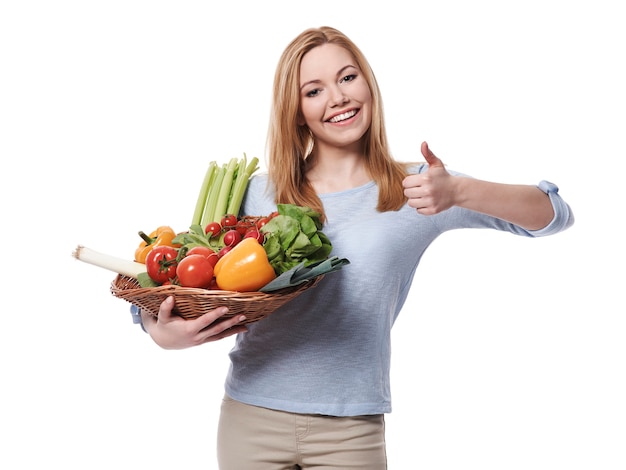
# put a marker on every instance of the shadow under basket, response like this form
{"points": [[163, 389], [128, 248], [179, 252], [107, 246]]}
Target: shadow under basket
{"points": [[192, 303]]}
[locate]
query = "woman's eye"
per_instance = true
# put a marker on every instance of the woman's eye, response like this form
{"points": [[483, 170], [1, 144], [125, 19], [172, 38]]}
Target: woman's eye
{"points": [[312, 93], [348, 78]]}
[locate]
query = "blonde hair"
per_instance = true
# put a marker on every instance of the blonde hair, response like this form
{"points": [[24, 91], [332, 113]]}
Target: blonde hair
{"points": [[289, 144]]}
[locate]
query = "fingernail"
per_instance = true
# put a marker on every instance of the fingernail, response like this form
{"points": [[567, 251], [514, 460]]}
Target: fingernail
{"points": [[242, 318]]}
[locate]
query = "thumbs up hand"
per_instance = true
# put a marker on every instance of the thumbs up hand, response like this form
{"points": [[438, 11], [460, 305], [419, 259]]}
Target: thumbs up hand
{"points": [[433, 191]]}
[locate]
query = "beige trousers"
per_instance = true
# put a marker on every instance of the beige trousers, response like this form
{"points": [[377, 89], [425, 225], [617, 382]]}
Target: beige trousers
{"points": [[254, 438]]}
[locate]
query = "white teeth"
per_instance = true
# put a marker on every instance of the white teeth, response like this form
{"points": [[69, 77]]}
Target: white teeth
{"points": [[343, 116]]}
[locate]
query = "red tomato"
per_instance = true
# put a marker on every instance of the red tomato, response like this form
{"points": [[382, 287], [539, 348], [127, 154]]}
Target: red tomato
{"points": [[243, 225], [200, 250], [229, 220], [195, 271], [161, 263], [206, 252], [272, 215], [214, 228], [255, 233], [262, 221]]}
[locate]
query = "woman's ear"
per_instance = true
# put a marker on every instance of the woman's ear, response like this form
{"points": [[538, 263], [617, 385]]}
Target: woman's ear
{"points": [[300, 120]]}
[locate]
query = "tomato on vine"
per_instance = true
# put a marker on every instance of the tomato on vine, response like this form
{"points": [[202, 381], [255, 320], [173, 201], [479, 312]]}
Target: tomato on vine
{"points": [[214, 228], [229, 221], [256, 234], [244, 224], [262, 221]]}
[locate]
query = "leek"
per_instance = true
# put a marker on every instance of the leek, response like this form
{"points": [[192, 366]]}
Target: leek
{"points": [[112, 263]]}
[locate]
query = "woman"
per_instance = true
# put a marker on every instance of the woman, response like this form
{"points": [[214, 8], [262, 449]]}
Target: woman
{"points": [[308, 387]]}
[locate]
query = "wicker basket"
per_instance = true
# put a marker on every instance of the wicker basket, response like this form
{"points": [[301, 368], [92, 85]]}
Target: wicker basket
{"points": [[192, 303]]}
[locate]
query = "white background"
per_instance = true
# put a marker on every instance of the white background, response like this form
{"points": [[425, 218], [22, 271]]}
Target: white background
{"points": [[510, 352]]}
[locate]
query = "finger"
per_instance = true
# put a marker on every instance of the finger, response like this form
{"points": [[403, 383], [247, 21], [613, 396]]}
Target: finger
{"points": [[430, 157], [206, 320], [222, 328], [226, 333], [409, 182], [165, 309], [209, 318]]}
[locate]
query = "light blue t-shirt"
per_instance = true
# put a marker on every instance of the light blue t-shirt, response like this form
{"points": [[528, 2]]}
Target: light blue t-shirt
{"points": [[328, 351]]}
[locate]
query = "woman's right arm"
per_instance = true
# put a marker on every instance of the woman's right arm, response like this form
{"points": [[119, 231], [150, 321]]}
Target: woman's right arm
{"points": [[173, 332]]}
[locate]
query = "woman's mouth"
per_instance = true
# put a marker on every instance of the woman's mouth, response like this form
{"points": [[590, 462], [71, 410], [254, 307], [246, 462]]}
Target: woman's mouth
{"points": [[343, 116]]}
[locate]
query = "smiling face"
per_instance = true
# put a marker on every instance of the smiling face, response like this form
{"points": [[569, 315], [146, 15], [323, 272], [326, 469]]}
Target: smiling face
{"points": [[335, 99]]}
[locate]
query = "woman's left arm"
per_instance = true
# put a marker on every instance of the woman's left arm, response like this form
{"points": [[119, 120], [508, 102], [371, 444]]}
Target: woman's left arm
{"points": [[437, 190], [523, 205]]}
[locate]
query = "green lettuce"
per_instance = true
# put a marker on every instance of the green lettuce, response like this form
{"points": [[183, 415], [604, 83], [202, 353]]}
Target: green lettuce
{"points": [[294, 237]]}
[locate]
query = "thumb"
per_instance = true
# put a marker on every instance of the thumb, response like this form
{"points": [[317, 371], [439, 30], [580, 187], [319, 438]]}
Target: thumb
{"points": [[165, 310], [430, 157]]}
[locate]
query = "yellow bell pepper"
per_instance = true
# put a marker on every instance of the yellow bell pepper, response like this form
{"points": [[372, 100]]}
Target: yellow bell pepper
{"points": [[245, 268], [161, 236]]}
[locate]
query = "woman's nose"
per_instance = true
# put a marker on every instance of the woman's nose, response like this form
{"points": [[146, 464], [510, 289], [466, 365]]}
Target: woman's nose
{"points": [[338, 97]]}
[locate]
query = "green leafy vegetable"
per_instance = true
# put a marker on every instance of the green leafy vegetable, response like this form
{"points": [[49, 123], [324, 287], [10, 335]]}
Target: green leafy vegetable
{"points": [[294, 237], [145, 280], [196, 237]]}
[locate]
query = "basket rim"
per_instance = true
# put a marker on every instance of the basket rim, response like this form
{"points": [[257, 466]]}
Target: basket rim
{"points": [[176, 289]]}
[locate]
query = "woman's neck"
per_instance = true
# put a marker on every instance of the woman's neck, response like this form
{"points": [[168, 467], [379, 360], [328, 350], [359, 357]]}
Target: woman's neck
{"points": [[336, 171]]}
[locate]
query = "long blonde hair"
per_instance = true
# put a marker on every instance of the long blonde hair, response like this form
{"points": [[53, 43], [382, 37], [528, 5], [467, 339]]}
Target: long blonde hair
{"points": [[288, 144]]}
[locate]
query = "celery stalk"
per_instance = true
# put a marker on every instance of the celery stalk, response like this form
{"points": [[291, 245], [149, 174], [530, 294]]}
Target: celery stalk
{"points": [[241, 184], [223, 189], [224, 193], [209, 208], [204, 193], [239, 175]]}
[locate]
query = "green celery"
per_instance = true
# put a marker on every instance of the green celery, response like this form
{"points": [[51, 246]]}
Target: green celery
{"points": [[240, 173], [224, 193], [204, 193], [239, 188], [209, 208]]}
